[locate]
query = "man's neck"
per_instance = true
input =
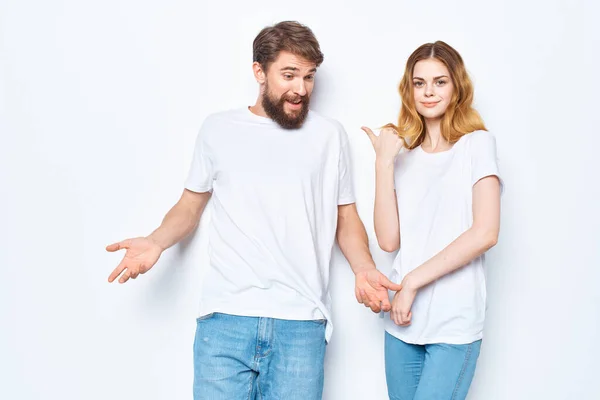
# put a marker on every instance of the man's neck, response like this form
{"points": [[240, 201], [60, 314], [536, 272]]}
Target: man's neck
{"points": [[258, 108]]}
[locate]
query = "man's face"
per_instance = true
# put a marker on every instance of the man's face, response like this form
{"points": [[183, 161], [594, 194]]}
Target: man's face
{"points": [[288, 85]]}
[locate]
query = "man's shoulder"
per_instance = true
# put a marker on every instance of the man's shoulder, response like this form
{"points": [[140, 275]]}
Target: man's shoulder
{"points": [[225, 116], [217, 123], [325, 121]]}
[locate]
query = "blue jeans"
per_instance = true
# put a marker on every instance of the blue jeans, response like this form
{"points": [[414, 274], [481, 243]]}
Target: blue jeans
{"points": [[429, 372], [248, 358]]}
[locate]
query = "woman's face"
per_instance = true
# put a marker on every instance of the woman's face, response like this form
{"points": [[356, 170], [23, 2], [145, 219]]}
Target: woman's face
{"points": [[432, 88]]}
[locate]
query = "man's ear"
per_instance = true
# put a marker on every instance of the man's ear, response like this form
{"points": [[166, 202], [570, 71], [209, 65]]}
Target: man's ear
{"points": [[259, 73]]}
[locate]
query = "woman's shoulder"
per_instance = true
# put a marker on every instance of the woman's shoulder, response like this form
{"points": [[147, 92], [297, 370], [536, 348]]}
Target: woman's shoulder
{"points": [[478, 136], [477, 141]]}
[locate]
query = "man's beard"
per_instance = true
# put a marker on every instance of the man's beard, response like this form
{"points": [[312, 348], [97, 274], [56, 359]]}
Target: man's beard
{"points": [[275, 109]]}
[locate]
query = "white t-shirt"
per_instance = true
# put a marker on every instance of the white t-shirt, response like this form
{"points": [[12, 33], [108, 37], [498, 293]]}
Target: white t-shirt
{"points": [[434, 192], [274, 213]]}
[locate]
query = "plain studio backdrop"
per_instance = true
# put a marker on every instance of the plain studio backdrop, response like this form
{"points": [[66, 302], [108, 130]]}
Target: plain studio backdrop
{"points": [[100, 104]]}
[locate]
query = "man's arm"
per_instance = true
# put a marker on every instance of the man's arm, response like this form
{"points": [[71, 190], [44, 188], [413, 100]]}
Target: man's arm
{"points": [[142, 253], [182, 219], [371, 288]]}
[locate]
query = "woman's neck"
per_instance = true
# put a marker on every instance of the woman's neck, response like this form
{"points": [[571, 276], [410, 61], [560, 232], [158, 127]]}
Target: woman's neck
{"points": [[434, 141]]}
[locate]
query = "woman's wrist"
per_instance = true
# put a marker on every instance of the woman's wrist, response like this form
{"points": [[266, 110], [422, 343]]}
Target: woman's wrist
{"points": [[384, 163], [410, 283]]}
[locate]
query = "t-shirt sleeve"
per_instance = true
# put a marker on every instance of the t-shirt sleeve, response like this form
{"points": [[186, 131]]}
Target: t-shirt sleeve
{"points": [[345, 185], [484, 158], [201, 173]]}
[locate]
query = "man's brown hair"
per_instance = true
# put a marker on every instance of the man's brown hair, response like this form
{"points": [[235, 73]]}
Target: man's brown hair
{"points": [[288, 36]]}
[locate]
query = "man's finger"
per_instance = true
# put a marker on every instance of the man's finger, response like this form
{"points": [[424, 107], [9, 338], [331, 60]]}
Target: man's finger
{"points": [[118, 246], [136, 271], [117, 271], [367, 301], [385, 304], [371, 300], [113, 247], [125, 277], [385, 282], [375, 306], [358, 296], [362, 297]]}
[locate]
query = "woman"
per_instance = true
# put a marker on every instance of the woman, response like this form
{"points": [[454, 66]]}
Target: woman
{"points": [[437, 200]]}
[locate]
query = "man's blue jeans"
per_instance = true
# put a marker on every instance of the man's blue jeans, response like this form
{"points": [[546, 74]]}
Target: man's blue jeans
{"points": [[248, 358]]}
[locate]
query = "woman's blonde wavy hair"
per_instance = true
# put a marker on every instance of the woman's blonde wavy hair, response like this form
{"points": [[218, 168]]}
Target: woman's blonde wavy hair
{"points": [[460, 117]]}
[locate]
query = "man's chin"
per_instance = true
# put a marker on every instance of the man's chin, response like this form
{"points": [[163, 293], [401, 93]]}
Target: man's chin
{"points": [[293, 114]]}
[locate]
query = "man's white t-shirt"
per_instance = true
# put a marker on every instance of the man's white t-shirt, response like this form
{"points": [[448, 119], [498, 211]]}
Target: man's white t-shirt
{"points": [[275, 194], [435, 206]]}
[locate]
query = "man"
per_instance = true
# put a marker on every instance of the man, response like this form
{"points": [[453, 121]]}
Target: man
{"points": [[279, 177]]}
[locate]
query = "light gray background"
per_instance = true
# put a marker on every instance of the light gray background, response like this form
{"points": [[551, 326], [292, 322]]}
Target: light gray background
{"points": [[100, 103]]}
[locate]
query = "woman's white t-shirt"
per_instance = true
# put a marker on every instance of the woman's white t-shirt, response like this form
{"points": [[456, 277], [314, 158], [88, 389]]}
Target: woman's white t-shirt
{"points": [[434, 193]]}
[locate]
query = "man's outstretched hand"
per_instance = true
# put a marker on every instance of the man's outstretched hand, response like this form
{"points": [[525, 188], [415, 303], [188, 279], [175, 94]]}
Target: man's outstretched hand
{"points": [[141, 255]]}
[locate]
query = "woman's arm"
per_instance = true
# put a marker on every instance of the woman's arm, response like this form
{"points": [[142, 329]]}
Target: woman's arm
{"points": [[387, 225], [475, 241]]}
